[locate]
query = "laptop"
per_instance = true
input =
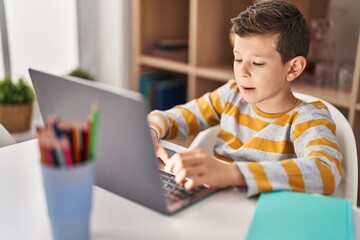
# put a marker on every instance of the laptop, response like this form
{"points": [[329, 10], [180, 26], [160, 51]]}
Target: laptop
{"points": [[125, 161]]}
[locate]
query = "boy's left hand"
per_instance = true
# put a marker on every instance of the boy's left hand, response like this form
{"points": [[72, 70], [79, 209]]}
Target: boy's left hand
{"points": [[199, 168]]}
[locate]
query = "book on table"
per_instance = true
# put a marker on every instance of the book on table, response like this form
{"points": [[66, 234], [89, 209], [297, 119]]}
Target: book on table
{"points": [[290, 215]]}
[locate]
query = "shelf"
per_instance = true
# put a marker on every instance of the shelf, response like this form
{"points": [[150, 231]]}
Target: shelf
{"points": [[164, 64], [213, 45], [337, 98], [221, 74], [162, 19], [206, 24]]}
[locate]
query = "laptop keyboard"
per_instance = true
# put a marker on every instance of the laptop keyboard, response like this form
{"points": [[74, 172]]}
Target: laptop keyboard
{"points": [[175, 192]]}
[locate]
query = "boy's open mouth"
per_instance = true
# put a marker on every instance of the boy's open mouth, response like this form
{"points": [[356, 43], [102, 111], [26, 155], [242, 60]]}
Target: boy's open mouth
{"points": [[247, 89]]}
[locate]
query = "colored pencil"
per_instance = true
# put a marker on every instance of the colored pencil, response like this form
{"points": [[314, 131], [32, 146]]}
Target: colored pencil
{"points": [[94, 123], [67, 143], [66, 148], [85, 136], [76, 144]]}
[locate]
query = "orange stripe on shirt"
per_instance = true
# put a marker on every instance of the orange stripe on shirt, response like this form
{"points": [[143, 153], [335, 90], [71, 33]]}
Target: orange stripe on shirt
{"points": [[207, 111], [233, 85], [302, 127], [267, 145], [161, 118], [322, 153], [327, 177], [286, 119], [319, 104], [190, 119], [232, 140], [221, 157], [323, 141], [244, 119], [216, 102], [294, 174], [260, 176], [174, 128]]}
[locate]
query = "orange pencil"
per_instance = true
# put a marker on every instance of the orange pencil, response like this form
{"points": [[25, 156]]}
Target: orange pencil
{"points": [[76, 144]]}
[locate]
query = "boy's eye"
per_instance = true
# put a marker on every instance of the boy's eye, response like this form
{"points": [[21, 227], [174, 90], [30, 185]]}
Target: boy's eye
{"points": [[258, 64], [237, 60]]}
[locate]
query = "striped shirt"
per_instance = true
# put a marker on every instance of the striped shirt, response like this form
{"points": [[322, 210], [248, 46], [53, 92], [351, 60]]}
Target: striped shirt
{"points": [[296, 150]]}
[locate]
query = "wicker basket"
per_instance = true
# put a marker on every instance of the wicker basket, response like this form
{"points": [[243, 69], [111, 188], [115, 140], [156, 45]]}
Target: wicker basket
{"points": [[16, 117]]}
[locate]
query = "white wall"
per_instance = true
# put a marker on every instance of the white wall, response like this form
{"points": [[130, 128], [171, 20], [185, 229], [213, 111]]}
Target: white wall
{"points": [[42, 34], [109, 41], [2, 71], [114, 52]]}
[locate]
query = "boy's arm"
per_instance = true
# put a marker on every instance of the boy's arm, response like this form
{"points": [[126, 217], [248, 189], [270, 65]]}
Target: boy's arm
{"points": [[192, 117], [317, 168]]}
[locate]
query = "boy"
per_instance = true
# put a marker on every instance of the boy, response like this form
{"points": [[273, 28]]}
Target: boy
{"points": [[269, 140]]}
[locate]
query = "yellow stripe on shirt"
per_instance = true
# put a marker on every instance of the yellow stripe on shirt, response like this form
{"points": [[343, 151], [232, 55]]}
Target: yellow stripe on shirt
{"points": [[322, 153], [302, 127], [286, 119], [207, 111], [319, 104], [234, 86], [323, 141], [232, 140], [216, 102], [244, 119], [161, 118], [190, 119], [295, 178], [260, 176], [267, 145], [221, 157], [174, 128], [327, 177]]}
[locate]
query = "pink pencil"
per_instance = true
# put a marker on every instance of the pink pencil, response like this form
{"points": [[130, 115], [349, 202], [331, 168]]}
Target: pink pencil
{"points": [[65, 147], [47, 152]]}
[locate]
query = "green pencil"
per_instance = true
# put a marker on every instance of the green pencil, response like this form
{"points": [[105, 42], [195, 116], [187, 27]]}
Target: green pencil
{"points": [[94, 123]]}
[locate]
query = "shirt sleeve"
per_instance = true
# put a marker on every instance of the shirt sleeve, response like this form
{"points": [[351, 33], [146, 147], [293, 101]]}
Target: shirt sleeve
{"points": [[192, 117], [316, 167]]}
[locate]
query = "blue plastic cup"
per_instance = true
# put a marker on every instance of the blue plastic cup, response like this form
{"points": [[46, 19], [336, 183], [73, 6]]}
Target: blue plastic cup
{"points": [[69, 198]]}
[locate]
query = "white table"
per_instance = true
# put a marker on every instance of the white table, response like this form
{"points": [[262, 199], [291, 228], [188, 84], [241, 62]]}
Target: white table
{"points": [[23, 215]]}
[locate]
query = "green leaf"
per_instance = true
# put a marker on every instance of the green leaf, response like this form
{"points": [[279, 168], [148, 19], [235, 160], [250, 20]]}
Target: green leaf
{"points": [[15, 93]]}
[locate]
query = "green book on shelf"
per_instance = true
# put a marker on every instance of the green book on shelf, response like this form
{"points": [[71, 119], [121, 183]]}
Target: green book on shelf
{"points": [[289, 215]]}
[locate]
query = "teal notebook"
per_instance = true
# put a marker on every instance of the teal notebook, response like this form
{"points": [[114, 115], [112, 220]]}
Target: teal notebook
{"points": [[289, 215]]}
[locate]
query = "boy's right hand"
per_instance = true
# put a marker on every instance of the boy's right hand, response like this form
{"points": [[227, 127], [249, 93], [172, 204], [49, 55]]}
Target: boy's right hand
{"points": [[160, 152]]}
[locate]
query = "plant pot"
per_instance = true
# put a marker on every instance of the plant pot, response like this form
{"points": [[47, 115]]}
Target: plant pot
{"points": [[16, 117]]}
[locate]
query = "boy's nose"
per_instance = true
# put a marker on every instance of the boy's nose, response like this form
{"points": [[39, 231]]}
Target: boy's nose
{"points": [[242, 70]]}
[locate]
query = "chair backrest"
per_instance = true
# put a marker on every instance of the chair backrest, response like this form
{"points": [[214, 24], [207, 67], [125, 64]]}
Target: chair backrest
{"points": [[349, 184], [5, 137]]}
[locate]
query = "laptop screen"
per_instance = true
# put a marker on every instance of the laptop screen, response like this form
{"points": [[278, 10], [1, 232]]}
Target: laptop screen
{"points": [[124, 151]]}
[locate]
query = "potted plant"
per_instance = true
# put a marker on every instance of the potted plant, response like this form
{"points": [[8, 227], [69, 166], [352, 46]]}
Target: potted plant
{"points": [[81, 73], [16, 101]]}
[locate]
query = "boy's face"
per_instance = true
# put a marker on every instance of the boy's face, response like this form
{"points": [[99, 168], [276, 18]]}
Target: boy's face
{"points": [[259, 71]]}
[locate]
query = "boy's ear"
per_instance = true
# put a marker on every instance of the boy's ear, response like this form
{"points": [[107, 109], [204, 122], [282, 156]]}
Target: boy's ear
{"points": [[296, 67]]}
